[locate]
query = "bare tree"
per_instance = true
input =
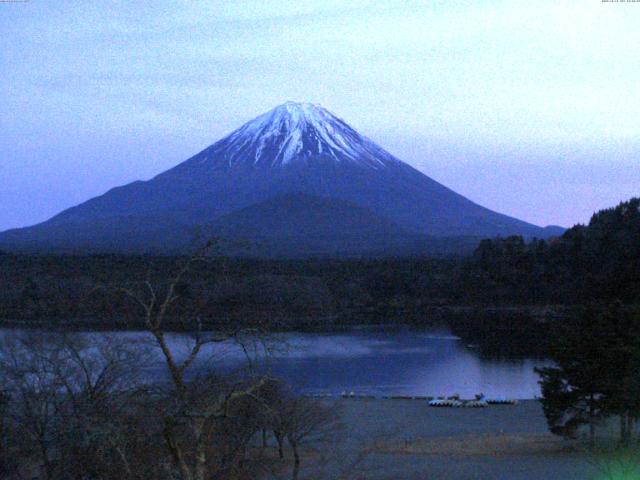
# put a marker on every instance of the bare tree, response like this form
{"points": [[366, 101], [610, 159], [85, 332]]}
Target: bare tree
{"points": [[33, 394], [101, 378], [68, 395], [297, 419], [82, 408], [195, 406], [8, 464], [307, 421]]}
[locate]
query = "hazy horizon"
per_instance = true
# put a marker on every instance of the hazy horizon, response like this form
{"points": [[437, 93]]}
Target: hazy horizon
{"points": [[529, 110]]}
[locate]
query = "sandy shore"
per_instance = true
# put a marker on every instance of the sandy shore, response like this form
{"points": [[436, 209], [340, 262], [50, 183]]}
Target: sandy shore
{"points": [[407, 439], [487, 444]]}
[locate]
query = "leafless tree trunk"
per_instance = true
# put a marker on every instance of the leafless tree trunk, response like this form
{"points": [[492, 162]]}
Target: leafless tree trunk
{"points": [[68, 394], [279, 440], [296, 459], [196, 414]]}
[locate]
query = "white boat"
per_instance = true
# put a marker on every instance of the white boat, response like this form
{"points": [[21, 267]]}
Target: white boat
{"points": [[445, 402], [501, 401], [476, 404]]}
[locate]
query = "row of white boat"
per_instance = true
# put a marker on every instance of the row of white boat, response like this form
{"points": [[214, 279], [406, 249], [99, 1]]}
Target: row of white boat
{"points": [[453, 401], [479, 402]]}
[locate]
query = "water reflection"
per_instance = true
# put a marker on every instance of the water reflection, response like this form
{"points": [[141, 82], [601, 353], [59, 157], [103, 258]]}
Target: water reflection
{"points": [[403, 362], [399, 361]]}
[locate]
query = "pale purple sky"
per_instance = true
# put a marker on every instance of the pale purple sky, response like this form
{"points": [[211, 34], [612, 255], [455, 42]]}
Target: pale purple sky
{"points": [[529, 108]]}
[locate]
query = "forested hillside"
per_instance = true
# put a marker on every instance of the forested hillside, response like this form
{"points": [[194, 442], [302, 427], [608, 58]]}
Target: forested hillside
{"points": [[595, 262], [598, 262]]}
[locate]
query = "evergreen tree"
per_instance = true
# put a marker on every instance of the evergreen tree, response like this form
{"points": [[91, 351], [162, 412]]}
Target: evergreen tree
{"points": [[622, 344], [596, 373], [576, 389]]}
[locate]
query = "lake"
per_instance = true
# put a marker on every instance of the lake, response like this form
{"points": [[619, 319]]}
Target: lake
{"points": [[375, 361], [400, 362]]}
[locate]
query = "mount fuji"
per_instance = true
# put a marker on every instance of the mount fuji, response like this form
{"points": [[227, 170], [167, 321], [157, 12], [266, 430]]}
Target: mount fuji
{"points": [[295, 181]]}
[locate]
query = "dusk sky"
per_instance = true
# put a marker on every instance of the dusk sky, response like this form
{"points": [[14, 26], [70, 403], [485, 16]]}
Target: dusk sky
{"points": [[528, 108]]}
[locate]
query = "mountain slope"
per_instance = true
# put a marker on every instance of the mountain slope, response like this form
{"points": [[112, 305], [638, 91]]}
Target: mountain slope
{"points": [[297, 224], [294, 148]]}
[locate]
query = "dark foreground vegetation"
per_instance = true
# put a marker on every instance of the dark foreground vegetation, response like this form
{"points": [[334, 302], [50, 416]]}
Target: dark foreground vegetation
{"points": [[83, 407], [73, 407]]}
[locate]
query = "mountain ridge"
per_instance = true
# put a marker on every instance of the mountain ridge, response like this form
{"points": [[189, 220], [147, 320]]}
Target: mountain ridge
{"points": [[293, 148]]}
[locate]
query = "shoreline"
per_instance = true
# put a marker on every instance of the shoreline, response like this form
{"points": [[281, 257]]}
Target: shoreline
{"points": [[409, 440]]}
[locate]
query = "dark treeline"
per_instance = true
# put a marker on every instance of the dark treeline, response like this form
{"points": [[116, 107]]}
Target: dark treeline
{"points": [[595, 262], [596, 349], [297, 292], [508, 289], [506, 333]]}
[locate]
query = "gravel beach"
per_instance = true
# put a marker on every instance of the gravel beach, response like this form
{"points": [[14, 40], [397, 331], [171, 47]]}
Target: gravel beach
{"points": [[407, 439]]}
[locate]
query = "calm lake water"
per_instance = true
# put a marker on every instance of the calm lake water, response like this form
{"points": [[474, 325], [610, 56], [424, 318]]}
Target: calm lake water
{"points": [[400, 361]]}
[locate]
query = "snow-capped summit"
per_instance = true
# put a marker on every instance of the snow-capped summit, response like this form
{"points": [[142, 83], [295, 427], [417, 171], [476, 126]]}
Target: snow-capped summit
{"points": [[296, 134]]}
